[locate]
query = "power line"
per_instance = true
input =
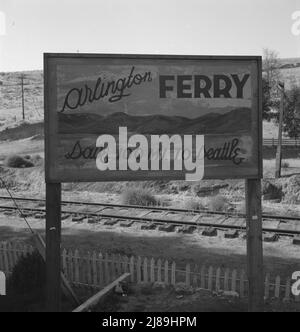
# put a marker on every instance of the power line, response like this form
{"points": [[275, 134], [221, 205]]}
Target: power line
{"points": [[16, 205]]}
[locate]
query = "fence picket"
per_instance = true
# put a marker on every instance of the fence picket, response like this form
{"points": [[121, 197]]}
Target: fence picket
{"points": [[210, 278], [112, 267], [152, 271], [287, 289], [218, 279], [159, 270], [106, 269], [267, 286], [100, 268], [203, 271], [6, 260], [1, 258], [138, 270], [64, 263], [71, 265], [242, 284], [145, 271], [195, 275], [226, 280], [277, 287], [119, 265], [166, 272], [76, 267], [131, 269], [233, 280], [94, 270], [173, 274]]}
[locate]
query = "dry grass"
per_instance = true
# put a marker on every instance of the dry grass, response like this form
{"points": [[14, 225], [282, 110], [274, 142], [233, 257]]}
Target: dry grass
{"points": [[218, 203], [193, 204]]}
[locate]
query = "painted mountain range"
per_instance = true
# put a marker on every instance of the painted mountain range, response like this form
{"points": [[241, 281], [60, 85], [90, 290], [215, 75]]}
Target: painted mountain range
{"points": [[235, 121]]}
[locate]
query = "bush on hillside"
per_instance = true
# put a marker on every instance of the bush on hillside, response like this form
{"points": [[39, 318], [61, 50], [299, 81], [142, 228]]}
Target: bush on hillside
{"points": [[272, 190], [193, 204], [138, 196], [16, 161]]}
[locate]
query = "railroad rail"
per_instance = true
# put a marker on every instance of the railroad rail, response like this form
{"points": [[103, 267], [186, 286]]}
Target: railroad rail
{"points": [[151, 217], [285, 142]]}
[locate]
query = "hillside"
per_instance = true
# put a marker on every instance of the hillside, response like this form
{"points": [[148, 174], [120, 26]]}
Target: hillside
{"points": [[237, 120]]}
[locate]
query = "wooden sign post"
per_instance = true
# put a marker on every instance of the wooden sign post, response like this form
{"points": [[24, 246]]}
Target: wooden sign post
{"points": [[254, 245], [112, 117], [53, 241], [280, 129]]}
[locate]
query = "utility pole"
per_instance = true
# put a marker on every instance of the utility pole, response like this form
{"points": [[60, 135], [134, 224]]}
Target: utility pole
{"points": [[279, 145], [23, 104]]}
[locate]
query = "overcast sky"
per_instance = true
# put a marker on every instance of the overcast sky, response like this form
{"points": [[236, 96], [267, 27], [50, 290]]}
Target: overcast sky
{"points": [[238, 27]]}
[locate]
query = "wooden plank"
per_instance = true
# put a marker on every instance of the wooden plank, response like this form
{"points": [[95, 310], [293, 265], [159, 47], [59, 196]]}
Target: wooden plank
{"points": [[94, 300], [254, 245]]}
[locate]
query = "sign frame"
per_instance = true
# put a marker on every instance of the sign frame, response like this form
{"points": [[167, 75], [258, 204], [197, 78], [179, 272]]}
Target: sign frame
{"points": [[49, 75]]}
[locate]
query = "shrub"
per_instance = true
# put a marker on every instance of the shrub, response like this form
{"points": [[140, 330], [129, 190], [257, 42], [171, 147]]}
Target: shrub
{"points": [[218, 203], [16, 161], [285, 164], [37, 160], [272, 190], [28, 276], [138, 196]]}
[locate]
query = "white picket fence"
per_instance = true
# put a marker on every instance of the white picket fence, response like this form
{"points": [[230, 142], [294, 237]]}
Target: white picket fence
{"points": [[96, 270]]}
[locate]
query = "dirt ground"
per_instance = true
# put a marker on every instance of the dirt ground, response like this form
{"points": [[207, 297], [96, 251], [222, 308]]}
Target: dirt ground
{"points": [[148, 299]]}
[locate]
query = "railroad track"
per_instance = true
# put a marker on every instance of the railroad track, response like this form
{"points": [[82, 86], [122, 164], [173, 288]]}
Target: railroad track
{"points": [[162, 218]]}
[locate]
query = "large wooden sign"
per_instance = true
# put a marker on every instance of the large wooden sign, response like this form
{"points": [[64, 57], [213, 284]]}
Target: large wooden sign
{"points": [[133, 117]]}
